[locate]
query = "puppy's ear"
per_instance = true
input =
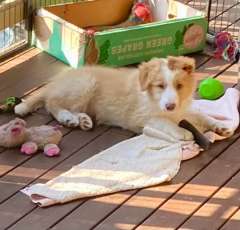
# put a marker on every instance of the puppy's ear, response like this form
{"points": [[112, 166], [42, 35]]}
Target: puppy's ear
{"points": [[143, 76], [185, 63], [144, 72]]}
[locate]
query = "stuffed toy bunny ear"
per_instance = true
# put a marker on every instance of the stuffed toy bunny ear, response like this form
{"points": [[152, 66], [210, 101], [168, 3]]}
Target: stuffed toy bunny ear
{"points": [[19, 121]]}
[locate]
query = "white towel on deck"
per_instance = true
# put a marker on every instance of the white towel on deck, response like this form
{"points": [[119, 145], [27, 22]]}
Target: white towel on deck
{"points": [[135, 163]]}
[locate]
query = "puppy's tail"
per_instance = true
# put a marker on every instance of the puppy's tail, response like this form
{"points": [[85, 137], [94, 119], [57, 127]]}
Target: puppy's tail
{"points": [[31, 104]]}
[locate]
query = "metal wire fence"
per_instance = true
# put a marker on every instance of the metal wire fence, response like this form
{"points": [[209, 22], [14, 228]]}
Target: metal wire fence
{"points": [[12, 25], [15, 22], [223, 15], [15, 19]]}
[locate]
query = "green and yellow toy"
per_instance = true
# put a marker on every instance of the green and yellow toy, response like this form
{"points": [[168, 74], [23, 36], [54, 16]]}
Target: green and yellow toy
{"points": [[210, 89], [9, 104]]}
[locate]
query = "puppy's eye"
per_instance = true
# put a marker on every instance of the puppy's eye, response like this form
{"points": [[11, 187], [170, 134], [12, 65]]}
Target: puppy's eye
{"points": [[161, 86], [179, 86]]}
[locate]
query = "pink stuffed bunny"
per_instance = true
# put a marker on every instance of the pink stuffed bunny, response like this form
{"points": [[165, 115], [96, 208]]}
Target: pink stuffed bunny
{"points": [[46, 138]]}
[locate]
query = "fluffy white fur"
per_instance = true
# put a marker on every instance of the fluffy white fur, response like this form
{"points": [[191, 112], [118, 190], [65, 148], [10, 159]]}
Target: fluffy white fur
{"points": [[126, 97]]}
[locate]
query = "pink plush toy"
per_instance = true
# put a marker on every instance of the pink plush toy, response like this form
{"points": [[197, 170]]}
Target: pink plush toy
{"points": [[46, 138]]}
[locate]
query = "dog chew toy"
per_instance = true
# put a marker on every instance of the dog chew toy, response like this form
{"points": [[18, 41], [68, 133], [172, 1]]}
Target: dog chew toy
{"points": [[9, 104], [226, 47], [46, 138], [210, 89], [200, 139], [141, 13]]}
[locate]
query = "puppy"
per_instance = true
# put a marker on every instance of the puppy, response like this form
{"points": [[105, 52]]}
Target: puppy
{"points": [[160, 89]]}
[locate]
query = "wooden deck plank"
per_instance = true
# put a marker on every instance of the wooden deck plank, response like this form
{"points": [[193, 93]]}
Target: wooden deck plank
{"points": [[18, 58], [38, 76], [218, 209], [143, 203], [231, 75], [233, 223], [44, 218], [125, 211], [27, 69], [9, 212], [4, 119], [84, 214], [18, 162], [203, 186], [21, 74], [201, 58], [34, 166], [12, 176], [215, 67]]}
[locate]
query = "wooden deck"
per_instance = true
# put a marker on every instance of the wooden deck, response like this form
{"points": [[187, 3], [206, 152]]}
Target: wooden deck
{"points": [[204, 195]]}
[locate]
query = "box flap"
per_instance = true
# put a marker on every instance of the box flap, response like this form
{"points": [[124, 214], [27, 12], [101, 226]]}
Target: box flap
{"points": [[93, 13]]}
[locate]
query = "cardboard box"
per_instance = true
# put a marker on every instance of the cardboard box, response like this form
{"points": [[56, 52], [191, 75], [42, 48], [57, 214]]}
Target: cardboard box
{"points": [[59, 30]]}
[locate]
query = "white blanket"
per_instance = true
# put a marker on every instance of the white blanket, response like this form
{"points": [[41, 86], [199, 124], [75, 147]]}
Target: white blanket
{"points": [[135, 163], [149, 159]]}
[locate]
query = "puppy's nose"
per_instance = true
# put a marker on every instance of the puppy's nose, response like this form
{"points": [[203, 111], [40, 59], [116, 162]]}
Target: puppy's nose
{"points": [[170, 106]]}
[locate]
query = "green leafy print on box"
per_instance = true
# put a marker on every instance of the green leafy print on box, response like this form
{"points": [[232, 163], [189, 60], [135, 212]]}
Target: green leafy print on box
{"points": [[180, 35], [104, 52]]}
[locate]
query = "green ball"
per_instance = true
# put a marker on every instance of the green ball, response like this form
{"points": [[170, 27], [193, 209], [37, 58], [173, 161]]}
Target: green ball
{"points": [[210, 89]]}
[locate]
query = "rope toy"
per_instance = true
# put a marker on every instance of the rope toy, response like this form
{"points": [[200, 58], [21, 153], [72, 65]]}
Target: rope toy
{"points": [[227, 47]]}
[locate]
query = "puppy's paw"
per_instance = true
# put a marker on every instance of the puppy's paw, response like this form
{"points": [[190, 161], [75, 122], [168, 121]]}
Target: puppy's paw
{"points": [[21, 109], [68, 119], [85, 122], [222, 129]]}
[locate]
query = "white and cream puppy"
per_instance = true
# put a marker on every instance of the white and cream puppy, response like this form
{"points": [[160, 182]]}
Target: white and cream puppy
{"points": [[159, 89]]}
